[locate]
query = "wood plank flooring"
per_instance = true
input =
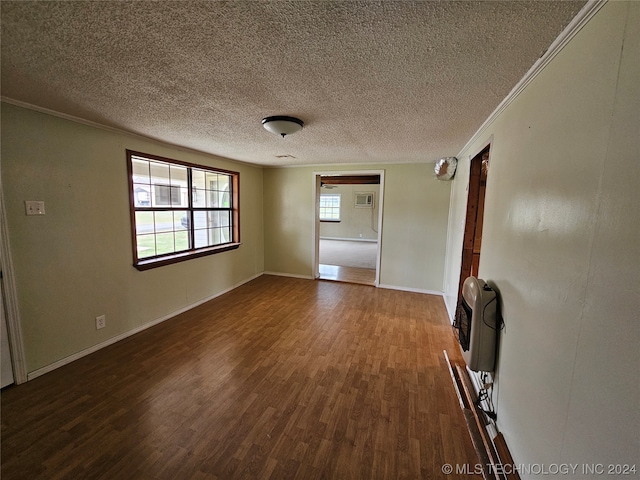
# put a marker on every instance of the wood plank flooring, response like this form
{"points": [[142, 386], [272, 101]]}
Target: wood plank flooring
{"points": [[281, 378]]}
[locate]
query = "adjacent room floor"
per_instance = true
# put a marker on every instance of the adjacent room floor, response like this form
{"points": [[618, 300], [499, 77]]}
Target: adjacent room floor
{"points": [[348, 261], [280, 378]]}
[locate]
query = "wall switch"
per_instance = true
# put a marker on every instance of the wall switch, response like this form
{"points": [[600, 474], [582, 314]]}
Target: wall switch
{"points": [[101, 322], [34, 207]]}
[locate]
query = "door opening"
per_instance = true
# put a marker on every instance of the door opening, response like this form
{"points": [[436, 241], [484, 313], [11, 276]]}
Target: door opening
{"points": [[6, 367], [348, 219], [472, 239]]}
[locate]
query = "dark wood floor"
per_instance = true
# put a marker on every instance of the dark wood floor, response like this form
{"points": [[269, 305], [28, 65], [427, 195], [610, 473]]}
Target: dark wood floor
{"points": [[280, 378]]}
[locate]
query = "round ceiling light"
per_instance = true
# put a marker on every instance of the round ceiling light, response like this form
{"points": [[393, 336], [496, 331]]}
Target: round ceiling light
{"points": [[281, 125]]}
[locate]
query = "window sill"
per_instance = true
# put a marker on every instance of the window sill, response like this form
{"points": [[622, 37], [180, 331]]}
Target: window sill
{"points": [[181, 257], [330, 221]]}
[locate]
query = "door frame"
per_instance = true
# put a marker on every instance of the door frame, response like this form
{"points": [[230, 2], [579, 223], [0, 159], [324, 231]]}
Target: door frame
{"points": [[315, 260], [10, 300], [475, 203]]}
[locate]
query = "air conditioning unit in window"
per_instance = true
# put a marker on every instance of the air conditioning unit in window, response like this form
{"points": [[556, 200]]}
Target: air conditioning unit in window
{"points": [[364, 200]]}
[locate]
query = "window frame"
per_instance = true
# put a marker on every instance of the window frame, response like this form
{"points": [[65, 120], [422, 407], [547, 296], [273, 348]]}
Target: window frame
{"points": [[339, 207], [155, 261]]}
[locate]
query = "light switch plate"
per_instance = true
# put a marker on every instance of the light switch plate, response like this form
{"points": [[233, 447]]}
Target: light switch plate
{"points": [[34, 207]]}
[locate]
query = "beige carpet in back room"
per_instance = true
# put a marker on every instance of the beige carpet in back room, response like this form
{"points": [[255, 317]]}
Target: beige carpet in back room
{"points": [[347, 253]]}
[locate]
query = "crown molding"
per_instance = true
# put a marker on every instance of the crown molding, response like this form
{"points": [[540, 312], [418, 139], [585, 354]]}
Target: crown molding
{"points": [[580, 20], [119, 131]]}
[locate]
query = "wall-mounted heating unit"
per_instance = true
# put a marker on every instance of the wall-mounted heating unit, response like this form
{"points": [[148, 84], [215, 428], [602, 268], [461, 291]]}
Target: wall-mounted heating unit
{"points": [[476, 325]]}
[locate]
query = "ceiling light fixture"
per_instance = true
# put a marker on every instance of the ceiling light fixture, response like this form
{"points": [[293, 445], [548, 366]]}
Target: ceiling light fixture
{"points": [[281, 125]]}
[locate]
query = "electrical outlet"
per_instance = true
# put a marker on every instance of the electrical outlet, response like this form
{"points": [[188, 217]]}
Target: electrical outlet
{"points": [[101, 322], [34, 207]]}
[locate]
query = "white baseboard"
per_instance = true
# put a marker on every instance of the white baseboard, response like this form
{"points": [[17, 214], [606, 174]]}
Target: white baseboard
{"points": [[122, 336], [370, 240], [452, 315], [292, 275], [414, 290]]}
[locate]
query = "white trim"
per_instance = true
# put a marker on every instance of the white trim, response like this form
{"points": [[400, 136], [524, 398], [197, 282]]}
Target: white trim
{"points": [[413, 290], [122, 336], [579, 21], [292, 275], [352, 165], [452, 315], [16, 343], [370, 240]]}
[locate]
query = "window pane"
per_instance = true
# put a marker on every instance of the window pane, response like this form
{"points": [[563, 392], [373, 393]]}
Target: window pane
{"points": [[165, 243], [180, 220], [159, 173], [199, 197], [161, 196], [146, 245], [208, 237], [163, 221], [177, 197], [214, 219], [140, 170], [179, 186], [141, 195], [222, 191], [178, 175], [200, 220], [224, 219], [199, 194], [218, 186], [182, 240], [201, 238], [144, 222], [222, 235], [211, 181]]}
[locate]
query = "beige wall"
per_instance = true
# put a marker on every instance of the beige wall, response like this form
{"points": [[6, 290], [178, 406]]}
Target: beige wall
{"points": [[561, 245], [75, 262], [415, 213]]}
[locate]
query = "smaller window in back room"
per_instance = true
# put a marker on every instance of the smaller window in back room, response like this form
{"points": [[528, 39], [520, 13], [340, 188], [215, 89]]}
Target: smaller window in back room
{"points": [[180, 210], [330, 207]]}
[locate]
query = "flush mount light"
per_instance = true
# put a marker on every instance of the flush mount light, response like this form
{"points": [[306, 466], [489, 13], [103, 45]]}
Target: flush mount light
{"points": [[281, 125]]}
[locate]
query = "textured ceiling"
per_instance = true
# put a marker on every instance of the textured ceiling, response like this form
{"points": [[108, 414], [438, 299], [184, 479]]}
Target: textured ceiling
{"points": [[384, 81]]}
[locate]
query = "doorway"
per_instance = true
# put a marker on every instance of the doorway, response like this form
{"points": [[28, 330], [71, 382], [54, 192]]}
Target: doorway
{"points": [[6, 365], [472, 239], [348, 219], [13, 367]]}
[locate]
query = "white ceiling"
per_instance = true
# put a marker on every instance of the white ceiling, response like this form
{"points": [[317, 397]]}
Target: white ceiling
{"points": [[374, 81]]}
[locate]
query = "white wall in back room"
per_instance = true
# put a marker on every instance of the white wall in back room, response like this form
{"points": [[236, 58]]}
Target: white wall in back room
{"points": [[356, 223]]}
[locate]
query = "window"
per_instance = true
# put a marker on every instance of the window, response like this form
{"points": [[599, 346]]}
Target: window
{"points": [[330, 207], [180, 210], [167, 195]]}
